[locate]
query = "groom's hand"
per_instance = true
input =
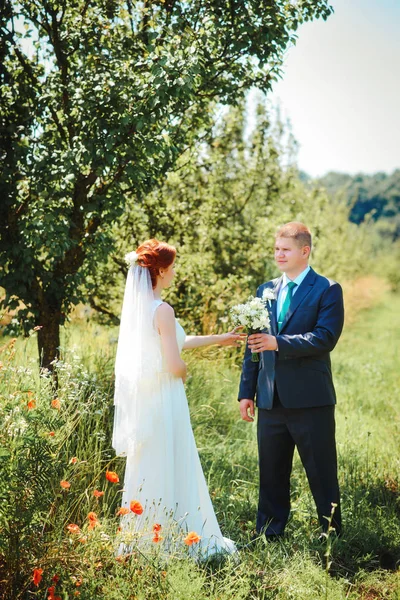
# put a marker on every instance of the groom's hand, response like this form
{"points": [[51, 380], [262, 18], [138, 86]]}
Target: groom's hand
{"points": [[258, 342], [246, 407]]}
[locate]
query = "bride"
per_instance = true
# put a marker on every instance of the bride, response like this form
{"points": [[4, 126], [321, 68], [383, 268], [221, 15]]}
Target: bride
{"points": [[164, 481]]}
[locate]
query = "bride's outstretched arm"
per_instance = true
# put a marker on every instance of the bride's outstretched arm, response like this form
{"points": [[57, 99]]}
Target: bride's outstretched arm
{"points": [[232, 338]]}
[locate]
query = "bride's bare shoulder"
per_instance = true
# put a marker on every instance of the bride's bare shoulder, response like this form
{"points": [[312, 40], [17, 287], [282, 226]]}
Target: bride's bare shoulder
{"points": [[164, 312]]}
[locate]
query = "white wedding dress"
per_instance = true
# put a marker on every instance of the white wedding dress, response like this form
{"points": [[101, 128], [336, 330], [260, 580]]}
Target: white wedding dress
{"points": [[165, 475]]}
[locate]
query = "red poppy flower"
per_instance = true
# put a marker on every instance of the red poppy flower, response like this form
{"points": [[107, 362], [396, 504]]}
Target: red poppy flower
{"points": [[136, 507], [157, 538], [56, 578], [72, 528], [112, 476], [56, 403], [123, 511], [93, 522], [74, 460], [65, 485], [37, 576], [51, 433], [98, 493], [31, 404], [192, 538]]}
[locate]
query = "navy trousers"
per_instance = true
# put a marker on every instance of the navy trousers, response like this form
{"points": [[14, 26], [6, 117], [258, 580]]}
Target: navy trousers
{"points": [[312, 431]]}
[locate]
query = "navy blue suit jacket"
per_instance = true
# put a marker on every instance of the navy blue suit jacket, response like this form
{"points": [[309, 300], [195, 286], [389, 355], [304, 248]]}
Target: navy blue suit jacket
{"points": [[301, 369]]}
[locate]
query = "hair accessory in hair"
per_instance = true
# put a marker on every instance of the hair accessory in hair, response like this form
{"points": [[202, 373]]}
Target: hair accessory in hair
{"points": [[131, 258]]}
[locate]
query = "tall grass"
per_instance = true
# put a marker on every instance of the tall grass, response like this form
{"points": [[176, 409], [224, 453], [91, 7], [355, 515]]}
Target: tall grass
{"points": [[35, 510]]}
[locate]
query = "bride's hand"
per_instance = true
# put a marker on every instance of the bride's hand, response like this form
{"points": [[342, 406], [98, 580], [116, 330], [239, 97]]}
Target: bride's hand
{"points": [[232, 338]]}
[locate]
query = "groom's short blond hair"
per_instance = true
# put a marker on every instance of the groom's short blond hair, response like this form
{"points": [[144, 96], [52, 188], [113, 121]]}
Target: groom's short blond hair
{"points": [[297, 231]]}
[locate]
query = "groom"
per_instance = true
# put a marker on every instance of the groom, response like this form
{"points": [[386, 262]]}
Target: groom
{"points": [[293, 383]]}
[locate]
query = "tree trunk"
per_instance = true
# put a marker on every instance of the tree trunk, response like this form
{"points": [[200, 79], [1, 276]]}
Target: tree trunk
{"points": [[49, 336]]}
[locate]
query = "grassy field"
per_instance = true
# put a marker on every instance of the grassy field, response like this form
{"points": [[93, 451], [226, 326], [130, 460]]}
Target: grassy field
{"points": [[38, 447]]}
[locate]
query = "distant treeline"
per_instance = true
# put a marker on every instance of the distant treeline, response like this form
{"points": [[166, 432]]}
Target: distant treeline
{"points": [[376, 196]]}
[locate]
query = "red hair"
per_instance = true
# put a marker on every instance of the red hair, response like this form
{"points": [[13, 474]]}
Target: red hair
{"points": [[155, 255]]}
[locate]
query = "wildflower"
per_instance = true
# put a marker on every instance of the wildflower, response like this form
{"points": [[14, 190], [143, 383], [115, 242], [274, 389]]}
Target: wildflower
{"points": [[51, 591], [136, 507], [37, 576], [112, 476], [51, 433], [123, 511], [73, 460], [157, 538], [78, 581], [83, 540], [31, 404], [156, 527], [192, 538], [98, 493], [65, 485], [56, 578], [93, 522], [77, 593], [56, 403], [72, 528]]}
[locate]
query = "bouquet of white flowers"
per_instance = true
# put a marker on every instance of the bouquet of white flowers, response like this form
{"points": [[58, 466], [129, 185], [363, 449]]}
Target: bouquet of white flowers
{"points": [[254, 316]]}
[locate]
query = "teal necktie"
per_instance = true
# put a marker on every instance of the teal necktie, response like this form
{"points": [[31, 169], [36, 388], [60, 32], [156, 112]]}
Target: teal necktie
{"points": [[286, 304]]}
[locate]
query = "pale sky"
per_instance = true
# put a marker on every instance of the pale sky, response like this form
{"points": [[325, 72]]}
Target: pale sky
{"points": [[341, 89]]}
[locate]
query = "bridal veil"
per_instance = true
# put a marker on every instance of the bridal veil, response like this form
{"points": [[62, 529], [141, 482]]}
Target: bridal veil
{"points": [[137, 365]]}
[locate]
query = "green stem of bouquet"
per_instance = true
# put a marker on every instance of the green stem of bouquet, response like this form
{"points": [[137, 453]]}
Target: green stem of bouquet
{"points": [[255, 356]]}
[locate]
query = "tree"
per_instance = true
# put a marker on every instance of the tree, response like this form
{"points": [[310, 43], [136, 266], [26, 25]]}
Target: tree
{"points": [[375, 197], [98, 100], [215, 206], [221, 206]]}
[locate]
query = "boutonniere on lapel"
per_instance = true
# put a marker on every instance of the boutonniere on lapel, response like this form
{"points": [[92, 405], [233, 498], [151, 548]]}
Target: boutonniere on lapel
{"points": [[268, 295]]}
